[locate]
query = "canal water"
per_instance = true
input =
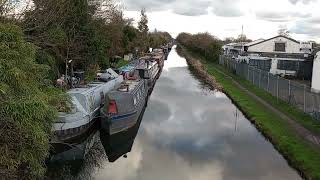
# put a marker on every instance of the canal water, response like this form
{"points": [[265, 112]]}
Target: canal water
{"points": [[188, 132]]}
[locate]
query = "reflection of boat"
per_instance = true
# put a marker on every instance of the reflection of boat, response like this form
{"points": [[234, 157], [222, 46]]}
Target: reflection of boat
{"points": [[86, 103], [124, 105], [76, 150], [119, 144]]}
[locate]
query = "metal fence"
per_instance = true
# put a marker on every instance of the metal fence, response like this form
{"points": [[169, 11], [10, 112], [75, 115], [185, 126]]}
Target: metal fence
{"points": [[296, 94]]}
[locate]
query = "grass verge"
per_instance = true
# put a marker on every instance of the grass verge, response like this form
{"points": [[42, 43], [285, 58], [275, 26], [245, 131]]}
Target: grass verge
{"points": [[299, 153], [294, 113]]}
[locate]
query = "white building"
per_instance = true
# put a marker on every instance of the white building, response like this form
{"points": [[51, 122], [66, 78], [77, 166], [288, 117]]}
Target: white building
{"points": [[316, 74], [233, 49], [284, 56]]}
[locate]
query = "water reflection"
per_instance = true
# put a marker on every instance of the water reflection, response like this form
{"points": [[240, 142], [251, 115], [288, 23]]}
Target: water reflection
{"points": [[189, 132]]}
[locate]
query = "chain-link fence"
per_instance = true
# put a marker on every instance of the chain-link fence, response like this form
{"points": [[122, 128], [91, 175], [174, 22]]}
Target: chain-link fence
{"points": [[296, 94]]}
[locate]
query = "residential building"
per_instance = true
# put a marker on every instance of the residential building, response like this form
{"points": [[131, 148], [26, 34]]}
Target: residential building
{"points": [[281, 55]]}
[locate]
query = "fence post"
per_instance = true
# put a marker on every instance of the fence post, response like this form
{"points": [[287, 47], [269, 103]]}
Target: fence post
{"points": [[268, 82], [259, 78], [277, 87], [248, 73], [304, 98], [252, 75], [289, 88]]}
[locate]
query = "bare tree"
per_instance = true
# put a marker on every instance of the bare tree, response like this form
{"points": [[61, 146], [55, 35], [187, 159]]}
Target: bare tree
{"points": [[283, 31]]}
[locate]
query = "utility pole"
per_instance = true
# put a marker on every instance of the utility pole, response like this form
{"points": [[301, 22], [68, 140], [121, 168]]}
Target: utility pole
{"points": [[242, 43]]}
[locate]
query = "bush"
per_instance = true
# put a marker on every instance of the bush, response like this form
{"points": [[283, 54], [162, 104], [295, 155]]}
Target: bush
{"points": [[202, 44], [27, 110]]}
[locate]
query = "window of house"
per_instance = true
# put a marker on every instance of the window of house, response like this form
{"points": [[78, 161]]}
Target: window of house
{"points": [[260, 64], [280, 47], [288, 65]]}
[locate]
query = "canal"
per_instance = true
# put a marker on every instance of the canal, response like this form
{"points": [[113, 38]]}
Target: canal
{"points": [[187, 132]]}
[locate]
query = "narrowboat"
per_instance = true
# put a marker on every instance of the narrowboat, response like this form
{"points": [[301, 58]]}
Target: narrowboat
{"points": [[85, 109], [150, 71], [124, 104], [118, 145]]}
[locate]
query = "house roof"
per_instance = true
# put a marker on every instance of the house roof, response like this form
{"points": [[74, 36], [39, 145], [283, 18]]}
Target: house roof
{"points": [[274, 38], [254, 42]]}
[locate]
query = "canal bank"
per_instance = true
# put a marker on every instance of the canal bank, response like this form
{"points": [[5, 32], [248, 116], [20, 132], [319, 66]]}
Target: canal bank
{"points": [[300, 153], [189, 131]]}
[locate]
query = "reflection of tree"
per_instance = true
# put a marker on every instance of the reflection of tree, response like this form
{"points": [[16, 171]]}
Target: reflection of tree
{"points": [[80, 169]]}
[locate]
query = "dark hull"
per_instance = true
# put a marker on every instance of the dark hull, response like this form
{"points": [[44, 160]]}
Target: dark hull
{"points": [[75, 150], [66, 144], [119, 144]]}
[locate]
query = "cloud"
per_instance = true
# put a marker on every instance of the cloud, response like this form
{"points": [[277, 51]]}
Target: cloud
{"points": [[275, 16], [227, 8], [315, 20], [306, 27], [149, 5], [182, 7], [303, 1], [190, 7], [224, 8]]}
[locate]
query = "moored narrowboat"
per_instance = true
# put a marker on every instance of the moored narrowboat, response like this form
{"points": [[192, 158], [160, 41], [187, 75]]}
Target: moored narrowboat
{"points": [[149, 71], [86, 102], [123, 105]]}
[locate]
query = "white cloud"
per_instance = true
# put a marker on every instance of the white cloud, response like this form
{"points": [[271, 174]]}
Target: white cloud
{"points": [[224, 18]]}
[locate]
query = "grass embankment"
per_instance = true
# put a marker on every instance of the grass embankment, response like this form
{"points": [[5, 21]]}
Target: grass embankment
{"points": [[299, 153], [294, 113]]}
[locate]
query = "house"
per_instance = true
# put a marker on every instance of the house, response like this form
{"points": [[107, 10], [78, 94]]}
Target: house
{"points": [[281, 55], [233, 49], [315, 84]]}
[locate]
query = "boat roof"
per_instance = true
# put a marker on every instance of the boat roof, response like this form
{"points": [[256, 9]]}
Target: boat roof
{"points": [[87, 88], [144, 65], [131, 84]]}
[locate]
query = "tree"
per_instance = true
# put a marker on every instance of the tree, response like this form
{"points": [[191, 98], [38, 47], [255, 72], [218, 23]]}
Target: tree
{"points": [[143, 30], [143, 23], [202, 43], [158, 38], [283, 31], [243, 38], [28, 106], [229, 40]]}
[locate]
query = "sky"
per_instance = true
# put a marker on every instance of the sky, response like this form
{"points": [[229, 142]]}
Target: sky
{"points": [[224, 18]]}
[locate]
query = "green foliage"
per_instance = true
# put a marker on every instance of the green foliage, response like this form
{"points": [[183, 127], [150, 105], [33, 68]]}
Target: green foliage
{"points": [[157, 39], [91, 72], [143, 23], [27, 106], [88, 32], [42, 57], [143, 31], [203, 43], [121, 63]]}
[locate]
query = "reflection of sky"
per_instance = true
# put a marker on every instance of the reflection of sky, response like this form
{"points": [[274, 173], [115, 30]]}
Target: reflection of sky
{"points": [[188, 134]]}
